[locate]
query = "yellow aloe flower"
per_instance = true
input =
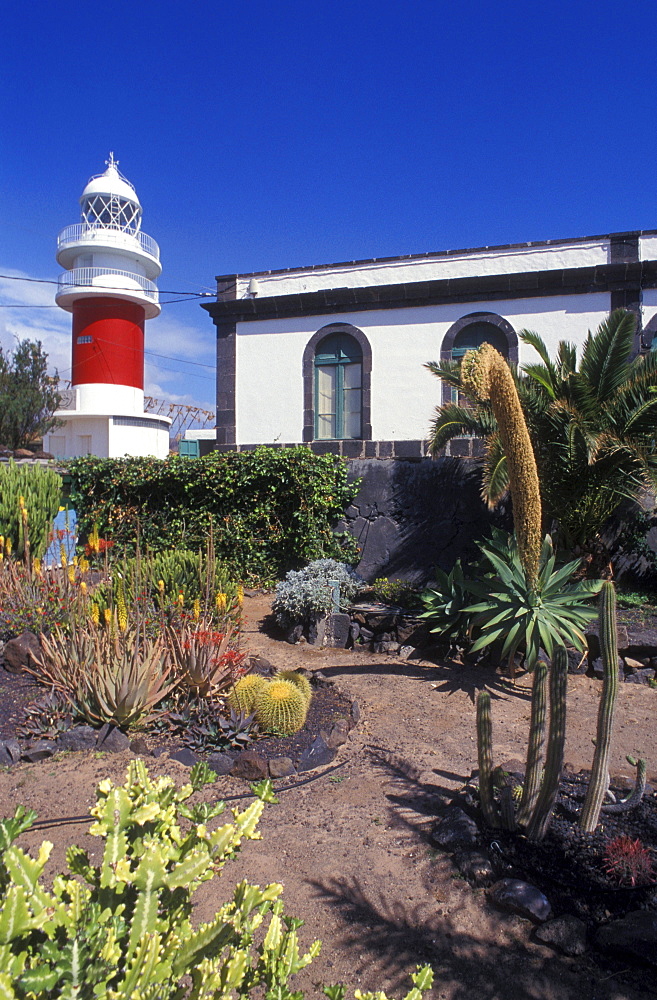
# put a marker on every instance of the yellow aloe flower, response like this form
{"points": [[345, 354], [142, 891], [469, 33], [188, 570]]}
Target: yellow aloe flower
{"points": [[160, 586], [197, 609], [71, 574], [36, 566], [181, 599], [95, 614], [221, 601], [240, 595], [83, 565], [62, 556], [8, 546], [83, 588], [75, 560]]}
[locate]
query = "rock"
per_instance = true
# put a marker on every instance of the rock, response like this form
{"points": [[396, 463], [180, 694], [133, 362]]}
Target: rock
{"points": [[456, 831], [140, 747], [40, 750], [159, 751], [221, 763], [112, 739], [566, 933], [597, 668], [406, 652], [10, 753], [354, 631], [316, 630], [184, 756], [280, 767], [294, 634], [339, 734], [20, 652], [475, 866], [634, 935], [522, 898], [355, 712], [593, 641], [250, 765], [320, 680], [577, 662], [386, 647], [643, 676], [316, 755], [261, 665], [631, 665], [336, 630], [79, 738]]}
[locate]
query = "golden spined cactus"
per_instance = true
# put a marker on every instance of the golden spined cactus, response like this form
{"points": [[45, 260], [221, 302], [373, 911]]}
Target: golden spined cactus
{"points": [[485, 373]]}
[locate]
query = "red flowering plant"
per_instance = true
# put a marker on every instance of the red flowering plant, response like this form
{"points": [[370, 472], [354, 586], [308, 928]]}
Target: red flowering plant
{"points": [[629, 862], [204, 660], [39, 601]]}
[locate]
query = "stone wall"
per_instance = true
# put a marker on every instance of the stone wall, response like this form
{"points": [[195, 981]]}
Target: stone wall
{"points": [[412, 515]]}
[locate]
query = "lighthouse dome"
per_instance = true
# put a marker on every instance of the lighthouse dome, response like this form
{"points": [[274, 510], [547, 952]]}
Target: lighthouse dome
{"points": [[110, 201]]}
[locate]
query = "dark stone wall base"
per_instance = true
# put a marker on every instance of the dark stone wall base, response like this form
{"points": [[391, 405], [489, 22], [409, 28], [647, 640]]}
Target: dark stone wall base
{"points": [[412, 512], [357, 449]]}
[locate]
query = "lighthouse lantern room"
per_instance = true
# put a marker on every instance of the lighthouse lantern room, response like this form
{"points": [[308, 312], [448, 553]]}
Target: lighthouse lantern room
{"points": [[109, 287]]}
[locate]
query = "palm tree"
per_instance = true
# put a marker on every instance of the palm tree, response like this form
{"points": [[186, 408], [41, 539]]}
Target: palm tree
{"points": [[593, 428]]}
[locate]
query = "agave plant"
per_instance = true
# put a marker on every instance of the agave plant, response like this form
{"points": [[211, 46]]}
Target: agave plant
{"points": [[447, 605], [553, 611], [202, 658]]}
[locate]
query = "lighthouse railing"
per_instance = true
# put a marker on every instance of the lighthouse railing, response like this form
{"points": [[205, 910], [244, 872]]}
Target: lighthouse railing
{"points": [[88, 277], [81, 232]]}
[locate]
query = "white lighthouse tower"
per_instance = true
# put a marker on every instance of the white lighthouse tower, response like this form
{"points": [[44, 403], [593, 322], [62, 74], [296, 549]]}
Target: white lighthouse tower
{"points": [[109, 287]]}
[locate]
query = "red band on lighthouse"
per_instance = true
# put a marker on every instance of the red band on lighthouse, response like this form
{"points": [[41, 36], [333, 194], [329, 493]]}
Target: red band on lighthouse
{"points": [[108, 342]]}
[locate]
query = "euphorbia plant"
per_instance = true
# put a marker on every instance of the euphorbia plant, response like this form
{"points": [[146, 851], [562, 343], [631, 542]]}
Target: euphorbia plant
{"points": [[123, 927]]}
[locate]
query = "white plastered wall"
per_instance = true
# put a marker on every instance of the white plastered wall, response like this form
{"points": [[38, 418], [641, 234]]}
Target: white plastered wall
{"points": [[269, 390]]}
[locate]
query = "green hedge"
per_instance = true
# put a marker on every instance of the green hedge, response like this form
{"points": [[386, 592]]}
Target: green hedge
{"points": [[272, 509]]}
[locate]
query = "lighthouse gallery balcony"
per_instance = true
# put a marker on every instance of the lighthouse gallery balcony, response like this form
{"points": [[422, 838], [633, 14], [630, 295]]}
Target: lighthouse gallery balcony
{"points": [[91, 281], [81, 237]]}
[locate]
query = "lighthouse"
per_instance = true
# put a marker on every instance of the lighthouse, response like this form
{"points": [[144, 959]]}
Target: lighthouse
{"points": [[109, 287]]}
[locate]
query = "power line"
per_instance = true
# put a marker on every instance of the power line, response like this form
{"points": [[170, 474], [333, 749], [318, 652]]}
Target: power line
{"points": [[51, 281]]}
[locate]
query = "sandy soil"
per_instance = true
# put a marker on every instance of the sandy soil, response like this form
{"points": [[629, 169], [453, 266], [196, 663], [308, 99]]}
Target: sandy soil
{"points": [[353, 847]]}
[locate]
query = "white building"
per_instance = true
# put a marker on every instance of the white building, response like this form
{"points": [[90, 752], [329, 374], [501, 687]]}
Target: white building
{"points": [[333, 356]]}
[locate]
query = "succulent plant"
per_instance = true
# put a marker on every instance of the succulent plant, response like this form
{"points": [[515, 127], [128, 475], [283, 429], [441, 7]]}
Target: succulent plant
{"points": [[244, 695], [202, 658], [299, 680], [219, 733], [281, 708], [47, 717]]}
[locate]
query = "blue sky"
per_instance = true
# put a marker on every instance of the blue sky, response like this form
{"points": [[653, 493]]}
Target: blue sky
{"points": [[266, 135]]}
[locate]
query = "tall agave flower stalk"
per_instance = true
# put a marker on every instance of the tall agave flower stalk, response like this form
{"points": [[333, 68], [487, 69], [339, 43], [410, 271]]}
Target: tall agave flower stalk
{"points": [[486, 374]]}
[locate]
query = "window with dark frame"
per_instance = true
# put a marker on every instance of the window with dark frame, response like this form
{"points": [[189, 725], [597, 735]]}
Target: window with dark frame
{"points": [[338, 388]]}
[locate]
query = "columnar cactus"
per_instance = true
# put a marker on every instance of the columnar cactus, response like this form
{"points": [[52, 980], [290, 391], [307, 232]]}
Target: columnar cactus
{"points": [[599, 782], [534, 767], [485, 753], [486, 373], [542, 814]]}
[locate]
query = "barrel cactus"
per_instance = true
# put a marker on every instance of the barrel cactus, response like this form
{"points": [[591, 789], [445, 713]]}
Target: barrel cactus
{"points": [[281, 708], [299, 680], [245, 693]]}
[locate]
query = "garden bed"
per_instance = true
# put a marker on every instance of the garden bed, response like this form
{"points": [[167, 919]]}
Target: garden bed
{"points": [[353, 846]]}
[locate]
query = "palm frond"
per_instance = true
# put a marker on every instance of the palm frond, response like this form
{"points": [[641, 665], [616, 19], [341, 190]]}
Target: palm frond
{"points": [[495, 479], [605, 360], [453, 421]]}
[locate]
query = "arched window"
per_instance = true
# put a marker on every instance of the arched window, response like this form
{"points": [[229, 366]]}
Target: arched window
{"points": [[469, 333], [338, 387]]}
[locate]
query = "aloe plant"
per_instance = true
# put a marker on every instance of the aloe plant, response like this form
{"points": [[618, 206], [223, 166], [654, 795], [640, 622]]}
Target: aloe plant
{"points": [[202, 658]]}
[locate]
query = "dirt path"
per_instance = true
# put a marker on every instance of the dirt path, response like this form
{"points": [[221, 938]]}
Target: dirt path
{"points": [[353, 848]]}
